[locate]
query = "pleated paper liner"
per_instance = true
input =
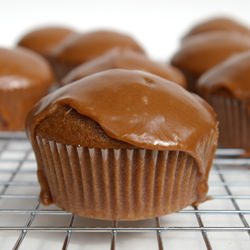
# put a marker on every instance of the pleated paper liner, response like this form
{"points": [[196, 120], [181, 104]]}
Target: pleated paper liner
{"points": [[191, 80], [118, 184], [59, 68], [234, 122]]}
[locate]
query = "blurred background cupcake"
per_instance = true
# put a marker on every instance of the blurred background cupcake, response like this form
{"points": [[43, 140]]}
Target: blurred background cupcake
{"points": [[25, 77], [227, 88], [120, 58]]}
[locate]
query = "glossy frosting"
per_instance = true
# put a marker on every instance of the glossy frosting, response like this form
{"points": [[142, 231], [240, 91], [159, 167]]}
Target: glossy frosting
{"points": [[13, 82], [26, 64], [232, 75], [24, 78], [125, 59], [218, 24], [44, 40], [139, 108], [201, 52], [83, 47]]}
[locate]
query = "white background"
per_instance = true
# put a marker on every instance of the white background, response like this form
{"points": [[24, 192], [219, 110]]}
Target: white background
{"points": [[157, 24]]}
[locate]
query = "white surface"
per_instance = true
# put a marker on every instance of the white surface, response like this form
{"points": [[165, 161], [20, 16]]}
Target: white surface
{"points": [[157, 24]]}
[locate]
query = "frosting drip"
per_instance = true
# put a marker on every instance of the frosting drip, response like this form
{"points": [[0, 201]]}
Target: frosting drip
{"points": [[138, 108]]}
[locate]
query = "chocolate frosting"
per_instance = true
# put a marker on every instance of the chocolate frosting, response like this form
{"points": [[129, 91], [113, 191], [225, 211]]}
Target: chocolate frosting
{"points": [[138, 108], [23, 63], [201, 52], [12, 82], [24, 78], [125, 59], [218, 24], [233, 75], [44, 40], [83, 47]]}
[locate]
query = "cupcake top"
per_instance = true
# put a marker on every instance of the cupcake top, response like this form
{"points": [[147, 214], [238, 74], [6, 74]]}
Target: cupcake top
{"points": [[233, 76], [201, 52], [135, 107], [20, 68], [218, 24], [125, 59], [44, 40], [84, 47]]}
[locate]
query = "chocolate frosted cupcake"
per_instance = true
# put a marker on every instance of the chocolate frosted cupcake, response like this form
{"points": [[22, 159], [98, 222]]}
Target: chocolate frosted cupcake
{"points": [[202, 52], [227, 88], [123, 145], [44, 40], [81, 48], [24, 78], [218, 24], [125, 59]]}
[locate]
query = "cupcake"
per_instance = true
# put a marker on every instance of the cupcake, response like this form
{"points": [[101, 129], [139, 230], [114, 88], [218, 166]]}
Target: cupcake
{"points": [[44, 40], [24, 78], [227, 88], [125, 59], [81, 48], [122, 145], [218, 24], [200, 53]]}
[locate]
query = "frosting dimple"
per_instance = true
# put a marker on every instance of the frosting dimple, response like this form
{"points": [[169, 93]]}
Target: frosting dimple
{"points": [[232, 75], [170, 119]]}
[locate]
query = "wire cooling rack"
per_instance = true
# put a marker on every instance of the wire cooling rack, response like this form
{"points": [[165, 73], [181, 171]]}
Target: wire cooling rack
{"points": [[220, 223]]}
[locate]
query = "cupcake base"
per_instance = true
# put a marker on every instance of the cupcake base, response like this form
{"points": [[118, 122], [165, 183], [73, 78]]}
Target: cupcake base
{"points": [[60, 69], [118, 184], [234, 121], [191, 80]]}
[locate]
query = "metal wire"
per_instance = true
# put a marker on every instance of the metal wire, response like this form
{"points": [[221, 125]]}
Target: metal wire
{"points": [[226, 164]]}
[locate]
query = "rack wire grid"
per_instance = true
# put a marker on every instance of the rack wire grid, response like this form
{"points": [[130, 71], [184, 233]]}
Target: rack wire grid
{"points": [[222, 222]]}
